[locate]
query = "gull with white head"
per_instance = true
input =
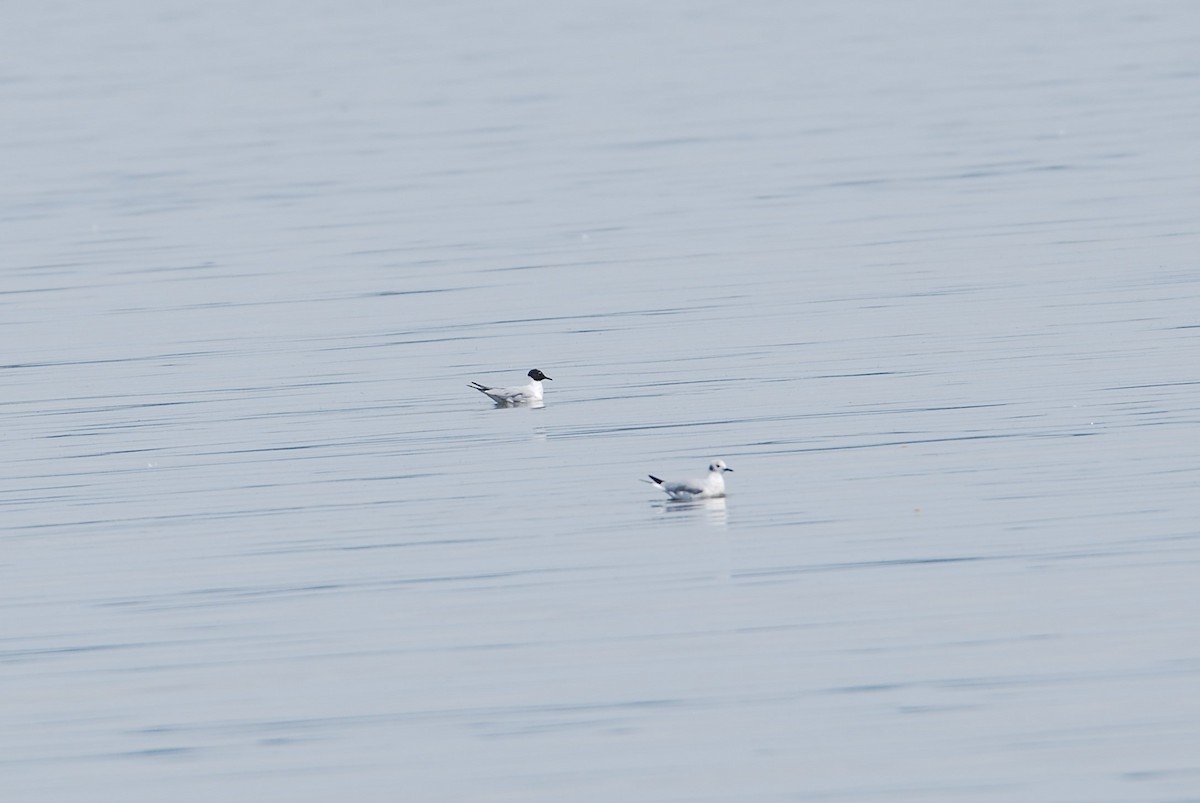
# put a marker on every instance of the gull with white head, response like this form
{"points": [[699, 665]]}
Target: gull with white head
{"points": [[711, 487]]}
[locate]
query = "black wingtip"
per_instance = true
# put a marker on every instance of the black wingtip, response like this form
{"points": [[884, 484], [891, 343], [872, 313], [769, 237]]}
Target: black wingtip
{"points": [[657, 481]]}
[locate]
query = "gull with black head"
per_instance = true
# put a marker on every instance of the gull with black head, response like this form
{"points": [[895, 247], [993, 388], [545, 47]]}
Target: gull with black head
{"points": [[514, 397]]}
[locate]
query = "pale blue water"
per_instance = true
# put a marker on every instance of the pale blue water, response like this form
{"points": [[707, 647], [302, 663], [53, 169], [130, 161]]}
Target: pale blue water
{"points": [[924, 274]]}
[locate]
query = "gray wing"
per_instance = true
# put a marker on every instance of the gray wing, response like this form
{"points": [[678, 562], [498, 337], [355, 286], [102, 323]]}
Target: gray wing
{"points": [[508, 395], [690, 487]]}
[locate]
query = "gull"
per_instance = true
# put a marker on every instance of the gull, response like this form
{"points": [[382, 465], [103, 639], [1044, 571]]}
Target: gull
{"points": [[511, 397], [711, 487]]}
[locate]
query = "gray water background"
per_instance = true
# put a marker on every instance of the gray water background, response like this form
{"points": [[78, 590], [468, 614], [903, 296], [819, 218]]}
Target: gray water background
{"points": [[925, 274]]}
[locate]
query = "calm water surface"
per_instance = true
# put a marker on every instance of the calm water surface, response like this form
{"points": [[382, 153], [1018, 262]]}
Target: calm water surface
{"points": [[924, 274]]}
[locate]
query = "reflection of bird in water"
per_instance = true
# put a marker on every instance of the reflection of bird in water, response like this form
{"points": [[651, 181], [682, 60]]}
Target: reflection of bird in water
{"points": [[711, 487], [714, 509], [530, 394]]}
